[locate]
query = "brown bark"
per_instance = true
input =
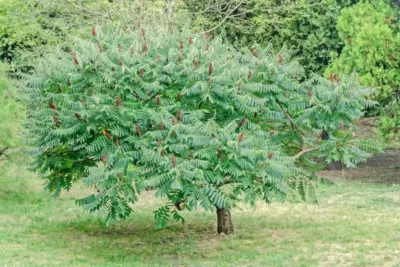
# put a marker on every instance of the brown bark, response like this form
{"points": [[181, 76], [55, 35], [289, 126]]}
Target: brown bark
{"points": [[333, 166], [224, 221]]}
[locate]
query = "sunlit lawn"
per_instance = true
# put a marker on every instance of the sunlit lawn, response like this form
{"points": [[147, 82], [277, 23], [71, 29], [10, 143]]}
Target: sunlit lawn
{"points": [[355, 224]]}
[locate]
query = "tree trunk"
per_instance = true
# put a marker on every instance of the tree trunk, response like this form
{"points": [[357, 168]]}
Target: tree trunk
{"points": [[333, 166], [224, 221]]}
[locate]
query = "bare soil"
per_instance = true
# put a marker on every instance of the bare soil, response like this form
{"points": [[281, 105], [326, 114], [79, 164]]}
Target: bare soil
{"points": [[383, 168]]}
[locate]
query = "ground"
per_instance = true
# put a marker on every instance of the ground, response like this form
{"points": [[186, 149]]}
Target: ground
{"points": [[355, 223]]}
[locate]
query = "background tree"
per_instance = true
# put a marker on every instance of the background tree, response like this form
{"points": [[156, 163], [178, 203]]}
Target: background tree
{"points": [[305, 26], [371, 36], [189, 117]]}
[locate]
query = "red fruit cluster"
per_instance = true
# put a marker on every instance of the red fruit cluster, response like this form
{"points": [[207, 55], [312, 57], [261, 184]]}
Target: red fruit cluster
{"points": [[254, 52], [107, 135], [173, 160], [309, 93], [179, 115], [332, 76], [249, 74], [178, 97], [181, 44], [161, 126], [103, 158], [52, 106], [117, 142], [242, 122], [77, 115], [100, 48], [117, 101], [94, 31], [158, 99], [55, 120], [280, 59], [210, 69], [173, 120], [138, 132], [271, 155], [241, 137], [190, 40]]}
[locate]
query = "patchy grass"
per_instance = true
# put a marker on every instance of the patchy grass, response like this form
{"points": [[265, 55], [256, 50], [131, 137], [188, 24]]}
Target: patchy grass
{"points": [[354, 224]]}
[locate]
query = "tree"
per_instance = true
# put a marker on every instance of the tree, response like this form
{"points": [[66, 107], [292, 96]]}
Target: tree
{"points": [[201, 123], [307, 27], [372, 39], [30, 28]]}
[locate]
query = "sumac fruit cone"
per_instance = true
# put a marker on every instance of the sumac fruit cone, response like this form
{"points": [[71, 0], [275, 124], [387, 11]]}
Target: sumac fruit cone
{"points": [[309, 93], [180, 57], [173, 160], [178, 97], [77, 115], [210, 69], [117, 101], [219, 153], [254, 52], [145, 48], [119, 48], [173, 120], [143, 34], [76, 59], [103, 158], [207, 47], [271, 155], [249, 74], [158, 58], [120, 62], [242, 122], [141, 73], [196, 63], [337, 79], [162, 153], [241, 137], [158, 100], [107, 135], [179, 116], [137, 127], [55, 120], [181, 44], [159, 142], [52, 106], [82, 101], [117, 142], [132, 49], [207, 35], [280, 59], [190, 39], [94, 31], [120, 175], [100, 48], [161, 126], [332, 76]]}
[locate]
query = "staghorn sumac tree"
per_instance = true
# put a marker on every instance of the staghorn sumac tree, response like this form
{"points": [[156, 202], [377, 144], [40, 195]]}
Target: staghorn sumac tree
{"points": [[198, 122]]}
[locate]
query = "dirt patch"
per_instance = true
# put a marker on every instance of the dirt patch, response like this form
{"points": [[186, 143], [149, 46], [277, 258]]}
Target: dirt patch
{"points": [[383, 168]]}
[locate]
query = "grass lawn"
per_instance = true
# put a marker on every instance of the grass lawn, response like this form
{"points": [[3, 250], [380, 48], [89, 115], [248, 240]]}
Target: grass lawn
{"points": [[354, 224]]}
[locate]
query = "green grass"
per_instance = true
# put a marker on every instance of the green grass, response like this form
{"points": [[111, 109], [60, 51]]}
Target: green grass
{"points": [[355, 224]]}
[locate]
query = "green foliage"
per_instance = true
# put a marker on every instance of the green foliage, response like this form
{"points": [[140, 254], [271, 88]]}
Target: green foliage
{"points": [[10, 111], [307, 27], [389, 123], [192, 118], [32, 28], [372, 40]]}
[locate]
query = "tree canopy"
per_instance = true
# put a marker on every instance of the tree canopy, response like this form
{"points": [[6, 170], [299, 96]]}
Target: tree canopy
{"points": [[193, 118]]}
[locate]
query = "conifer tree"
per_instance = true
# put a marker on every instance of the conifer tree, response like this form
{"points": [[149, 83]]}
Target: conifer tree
{"points": [[190, 117]]}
